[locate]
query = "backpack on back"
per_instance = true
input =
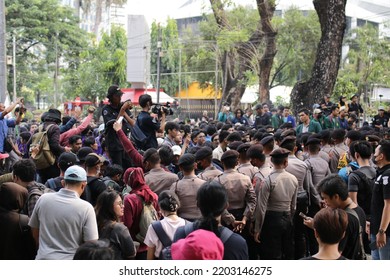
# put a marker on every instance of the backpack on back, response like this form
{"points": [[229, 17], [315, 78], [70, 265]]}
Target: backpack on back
{"points": [[38, 189], [40, 151], [365, 192], [148, 216], [188, 228]]}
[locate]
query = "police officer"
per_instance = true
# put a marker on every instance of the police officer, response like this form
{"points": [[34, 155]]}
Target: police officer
{"points": [[241, 197], [301, 171], [157, 178], [381, 120], [275, 208], [245, 166], [204, 161], [186, 189], [257, 158]]}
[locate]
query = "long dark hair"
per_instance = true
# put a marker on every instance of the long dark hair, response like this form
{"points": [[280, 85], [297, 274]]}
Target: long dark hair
{"points": [[104, 208], [211, 199]]}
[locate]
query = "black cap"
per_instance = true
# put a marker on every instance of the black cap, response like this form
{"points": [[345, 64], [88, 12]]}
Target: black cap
{"points": [[67, 159], [243, 148], [230, 154], [288, 132], [234, 145], [204, 152], [313, 141], [186, 159], [280, 153], [355, 95], [53, 115], [93, 159], [287, 140], [83, 152], [266, 140], [258, 106], [112, 90]]}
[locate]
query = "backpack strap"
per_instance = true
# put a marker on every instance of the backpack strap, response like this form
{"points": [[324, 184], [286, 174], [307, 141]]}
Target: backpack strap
{"points": [[225, 234], [188, 228], [361, 249], [52, 184], [161, 234]]}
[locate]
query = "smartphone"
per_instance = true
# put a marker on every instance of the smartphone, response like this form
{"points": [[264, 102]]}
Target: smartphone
{"points": [[372, 246], [303, 216], [120, 119]]}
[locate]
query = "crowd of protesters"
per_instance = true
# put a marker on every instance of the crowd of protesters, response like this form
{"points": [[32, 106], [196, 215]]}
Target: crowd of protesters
{"points": [[258, 183]]}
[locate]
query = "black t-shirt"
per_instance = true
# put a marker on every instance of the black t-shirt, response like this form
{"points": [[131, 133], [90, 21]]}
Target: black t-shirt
{"points": [[350, 244], [263, 120], [95, 186], [380, 192], [235, 247], [149, 127], [111, 113], [378, 120], [356, 184]]}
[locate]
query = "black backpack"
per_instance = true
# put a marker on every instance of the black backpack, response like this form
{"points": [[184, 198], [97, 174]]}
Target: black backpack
{"points": [[365, 192]]}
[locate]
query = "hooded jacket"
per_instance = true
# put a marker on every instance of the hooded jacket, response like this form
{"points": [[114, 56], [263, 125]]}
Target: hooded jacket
{"points": [[134, 177], [16, 241]]}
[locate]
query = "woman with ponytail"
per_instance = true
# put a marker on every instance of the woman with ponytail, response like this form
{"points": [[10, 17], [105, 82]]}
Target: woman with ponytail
{"points": [[169, 204], [212, 201]]}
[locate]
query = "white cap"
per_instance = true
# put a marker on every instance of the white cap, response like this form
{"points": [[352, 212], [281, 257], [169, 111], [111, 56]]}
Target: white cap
{"points": [[176, 150]]}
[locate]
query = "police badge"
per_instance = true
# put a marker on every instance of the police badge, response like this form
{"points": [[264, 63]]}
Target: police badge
{"points": [[385, 180]]}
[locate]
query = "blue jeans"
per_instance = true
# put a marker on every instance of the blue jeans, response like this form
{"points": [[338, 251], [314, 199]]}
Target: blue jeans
{"points": [[382, 253]]}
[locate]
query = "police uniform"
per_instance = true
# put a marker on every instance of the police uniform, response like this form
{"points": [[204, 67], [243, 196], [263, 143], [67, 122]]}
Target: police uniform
{"points": [[210, 172], [160, 180], [241, 195], [318, 166], [273, 217], [248, 169], [259, 177], [186, 189]]}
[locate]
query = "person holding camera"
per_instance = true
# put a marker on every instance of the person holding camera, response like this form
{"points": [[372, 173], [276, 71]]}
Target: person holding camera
{"points": [[111, 112], [150, 124]]}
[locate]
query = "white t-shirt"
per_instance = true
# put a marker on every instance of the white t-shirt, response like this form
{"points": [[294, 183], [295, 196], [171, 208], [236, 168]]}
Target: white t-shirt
{"points": [[170, 226]]}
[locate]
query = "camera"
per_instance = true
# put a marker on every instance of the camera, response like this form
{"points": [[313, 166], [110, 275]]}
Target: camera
{"points": [[156, 109]]}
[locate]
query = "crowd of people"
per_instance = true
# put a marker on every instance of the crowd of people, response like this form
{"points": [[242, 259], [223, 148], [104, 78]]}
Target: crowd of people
{"points": [[242, 186]]}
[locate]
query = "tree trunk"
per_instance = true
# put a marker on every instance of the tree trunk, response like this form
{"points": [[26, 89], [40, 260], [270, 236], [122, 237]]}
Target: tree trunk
{"points": [[235, 63], [332, 18], [266, 10], [98, 17]]}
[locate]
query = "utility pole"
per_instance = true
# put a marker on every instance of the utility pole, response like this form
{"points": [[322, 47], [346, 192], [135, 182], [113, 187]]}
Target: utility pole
{"points": [[159, 43], [56, 74], [216, 84], [3, 63], [14, 64]]}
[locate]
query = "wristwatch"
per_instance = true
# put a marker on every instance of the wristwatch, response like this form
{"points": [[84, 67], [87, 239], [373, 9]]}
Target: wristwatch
{"points": [[381, 231]]}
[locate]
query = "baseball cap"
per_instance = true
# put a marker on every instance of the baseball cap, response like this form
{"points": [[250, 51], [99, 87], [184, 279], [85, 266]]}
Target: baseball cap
{"points": [[317, 111], [381, 108], [75, 173], [93, 159], [198, 245], [67, 159], [83, 152], [176, 150]]}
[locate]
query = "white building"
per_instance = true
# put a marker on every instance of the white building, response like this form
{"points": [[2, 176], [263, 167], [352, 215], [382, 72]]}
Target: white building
{"points": [[112, 15]]}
